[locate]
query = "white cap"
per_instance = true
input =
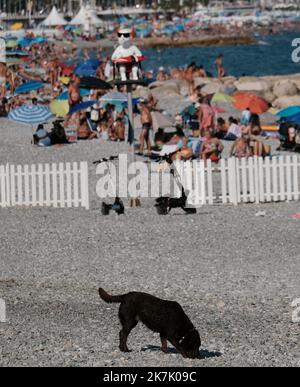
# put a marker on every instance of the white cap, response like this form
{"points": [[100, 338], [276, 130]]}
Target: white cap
{"points": [[161, 69]]}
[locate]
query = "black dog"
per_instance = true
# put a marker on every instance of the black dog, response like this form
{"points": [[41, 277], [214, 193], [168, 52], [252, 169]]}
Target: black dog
{"points": [[164, 205], [164, 317]]}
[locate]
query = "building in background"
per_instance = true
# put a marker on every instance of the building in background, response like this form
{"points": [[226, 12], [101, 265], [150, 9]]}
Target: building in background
{"points": [[22, 7]]}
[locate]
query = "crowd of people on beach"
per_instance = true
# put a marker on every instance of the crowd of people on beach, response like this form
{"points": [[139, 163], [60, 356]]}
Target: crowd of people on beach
{"points": [[50, 64]]}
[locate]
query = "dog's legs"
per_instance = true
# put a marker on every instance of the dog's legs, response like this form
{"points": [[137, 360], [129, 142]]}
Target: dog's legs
{"points": [[129, 322], [164, 343], [125, 332]]}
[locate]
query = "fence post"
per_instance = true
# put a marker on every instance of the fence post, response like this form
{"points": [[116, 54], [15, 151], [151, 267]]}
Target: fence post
{"points": [[84, 177], [296, 164], [8, 195], [2, 187], [224, 181], [232, 181]]}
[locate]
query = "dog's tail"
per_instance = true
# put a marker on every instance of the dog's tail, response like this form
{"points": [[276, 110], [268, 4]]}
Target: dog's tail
{"points": [[110, 299]]}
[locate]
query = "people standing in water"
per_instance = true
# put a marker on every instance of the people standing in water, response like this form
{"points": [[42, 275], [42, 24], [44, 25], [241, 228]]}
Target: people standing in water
{"points": [[220, 67]]}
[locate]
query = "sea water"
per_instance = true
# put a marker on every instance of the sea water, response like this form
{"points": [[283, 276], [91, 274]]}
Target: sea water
{"points": [[271, 55]]}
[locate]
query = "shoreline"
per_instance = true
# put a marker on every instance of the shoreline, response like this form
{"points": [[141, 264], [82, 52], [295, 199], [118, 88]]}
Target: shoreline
{"points": [[206, 41]]}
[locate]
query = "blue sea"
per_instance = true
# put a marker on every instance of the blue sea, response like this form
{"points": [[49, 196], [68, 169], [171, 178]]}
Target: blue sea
{"points": [[272, 55]]}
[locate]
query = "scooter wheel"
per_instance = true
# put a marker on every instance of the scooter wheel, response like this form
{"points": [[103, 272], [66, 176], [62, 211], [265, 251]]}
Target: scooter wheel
{"points": [[190, 211], [162, 209], [105, 209]]}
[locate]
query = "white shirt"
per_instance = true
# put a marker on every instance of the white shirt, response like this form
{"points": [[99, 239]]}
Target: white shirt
{"points": [[235, 130]]}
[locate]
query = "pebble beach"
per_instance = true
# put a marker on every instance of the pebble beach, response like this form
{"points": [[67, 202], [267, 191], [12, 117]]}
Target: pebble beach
{"points": [[235, 274]]}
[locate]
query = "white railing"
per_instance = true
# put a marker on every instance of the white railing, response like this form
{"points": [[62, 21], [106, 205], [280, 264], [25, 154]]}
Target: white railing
{"points": [[45, 185], [197, 180], [236, 181]]}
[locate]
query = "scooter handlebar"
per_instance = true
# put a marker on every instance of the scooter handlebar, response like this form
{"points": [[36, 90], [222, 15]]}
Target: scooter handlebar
{"points": [[105, 160]]}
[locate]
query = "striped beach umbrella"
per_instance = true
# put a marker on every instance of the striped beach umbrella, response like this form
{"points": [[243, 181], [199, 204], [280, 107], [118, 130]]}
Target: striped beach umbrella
{"points": [[31, 114]]}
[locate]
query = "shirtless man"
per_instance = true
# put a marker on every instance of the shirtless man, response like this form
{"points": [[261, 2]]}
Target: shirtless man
{"points": [[146, 119], [3, 79], [74, 92], [53, 72], [74, 98]]}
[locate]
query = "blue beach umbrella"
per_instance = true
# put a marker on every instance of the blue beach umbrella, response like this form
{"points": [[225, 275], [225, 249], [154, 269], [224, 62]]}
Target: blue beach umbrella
{"points": [[295, 119], [82, 106], [116, 98], [31, 114], [64, 95], [29, 86], [290, 111]]}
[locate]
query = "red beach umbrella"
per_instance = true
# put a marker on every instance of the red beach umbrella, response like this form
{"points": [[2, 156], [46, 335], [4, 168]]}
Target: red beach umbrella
{"points": [[256, 104]]}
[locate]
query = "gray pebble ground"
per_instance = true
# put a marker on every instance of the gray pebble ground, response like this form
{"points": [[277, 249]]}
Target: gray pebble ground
{"points": [[235, 274]]}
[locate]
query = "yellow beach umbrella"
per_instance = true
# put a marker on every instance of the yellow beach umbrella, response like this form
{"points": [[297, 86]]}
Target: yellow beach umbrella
{"points": [[17, 26], [65, 80], [60, 107], [221, 97]]}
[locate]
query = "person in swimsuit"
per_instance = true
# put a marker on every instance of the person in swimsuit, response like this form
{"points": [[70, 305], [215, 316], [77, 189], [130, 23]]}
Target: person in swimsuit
{"points": [[147, 122], [241, 147], [220, 67], [206, 116], [212, 148], [3, 78]]}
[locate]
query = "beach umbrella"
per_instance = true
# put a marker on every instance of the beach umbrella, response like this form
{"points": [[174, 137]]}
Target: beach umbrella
{"points": [[221, 97], [85, 71], [88, 68], [65, 80], [189, 110], [60, 108], [65, 95], [31, 114], [11, 43], [82, 106], [14, 61], [218, 110], [158, 120], [94, 83], [256, 104], [17, 26], [114, 96], [290, 111], [295, 119], [29, 86]]}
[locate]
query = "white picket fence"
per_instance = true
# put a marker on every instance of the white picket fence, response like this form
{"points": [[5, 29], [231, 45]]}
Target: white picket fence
{"points": [[45, 185], [253, 180]]}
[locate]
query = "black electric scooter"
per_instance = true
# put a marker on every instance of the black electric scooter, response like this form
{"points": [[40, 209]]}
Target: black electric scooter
{"points": [[164, 205], [118, 205]]}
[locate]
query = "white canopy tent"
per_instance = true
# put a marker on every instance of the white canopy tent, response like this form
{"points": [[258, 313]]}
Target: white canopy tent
{"points": [[86, 16], [54, 19]]}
